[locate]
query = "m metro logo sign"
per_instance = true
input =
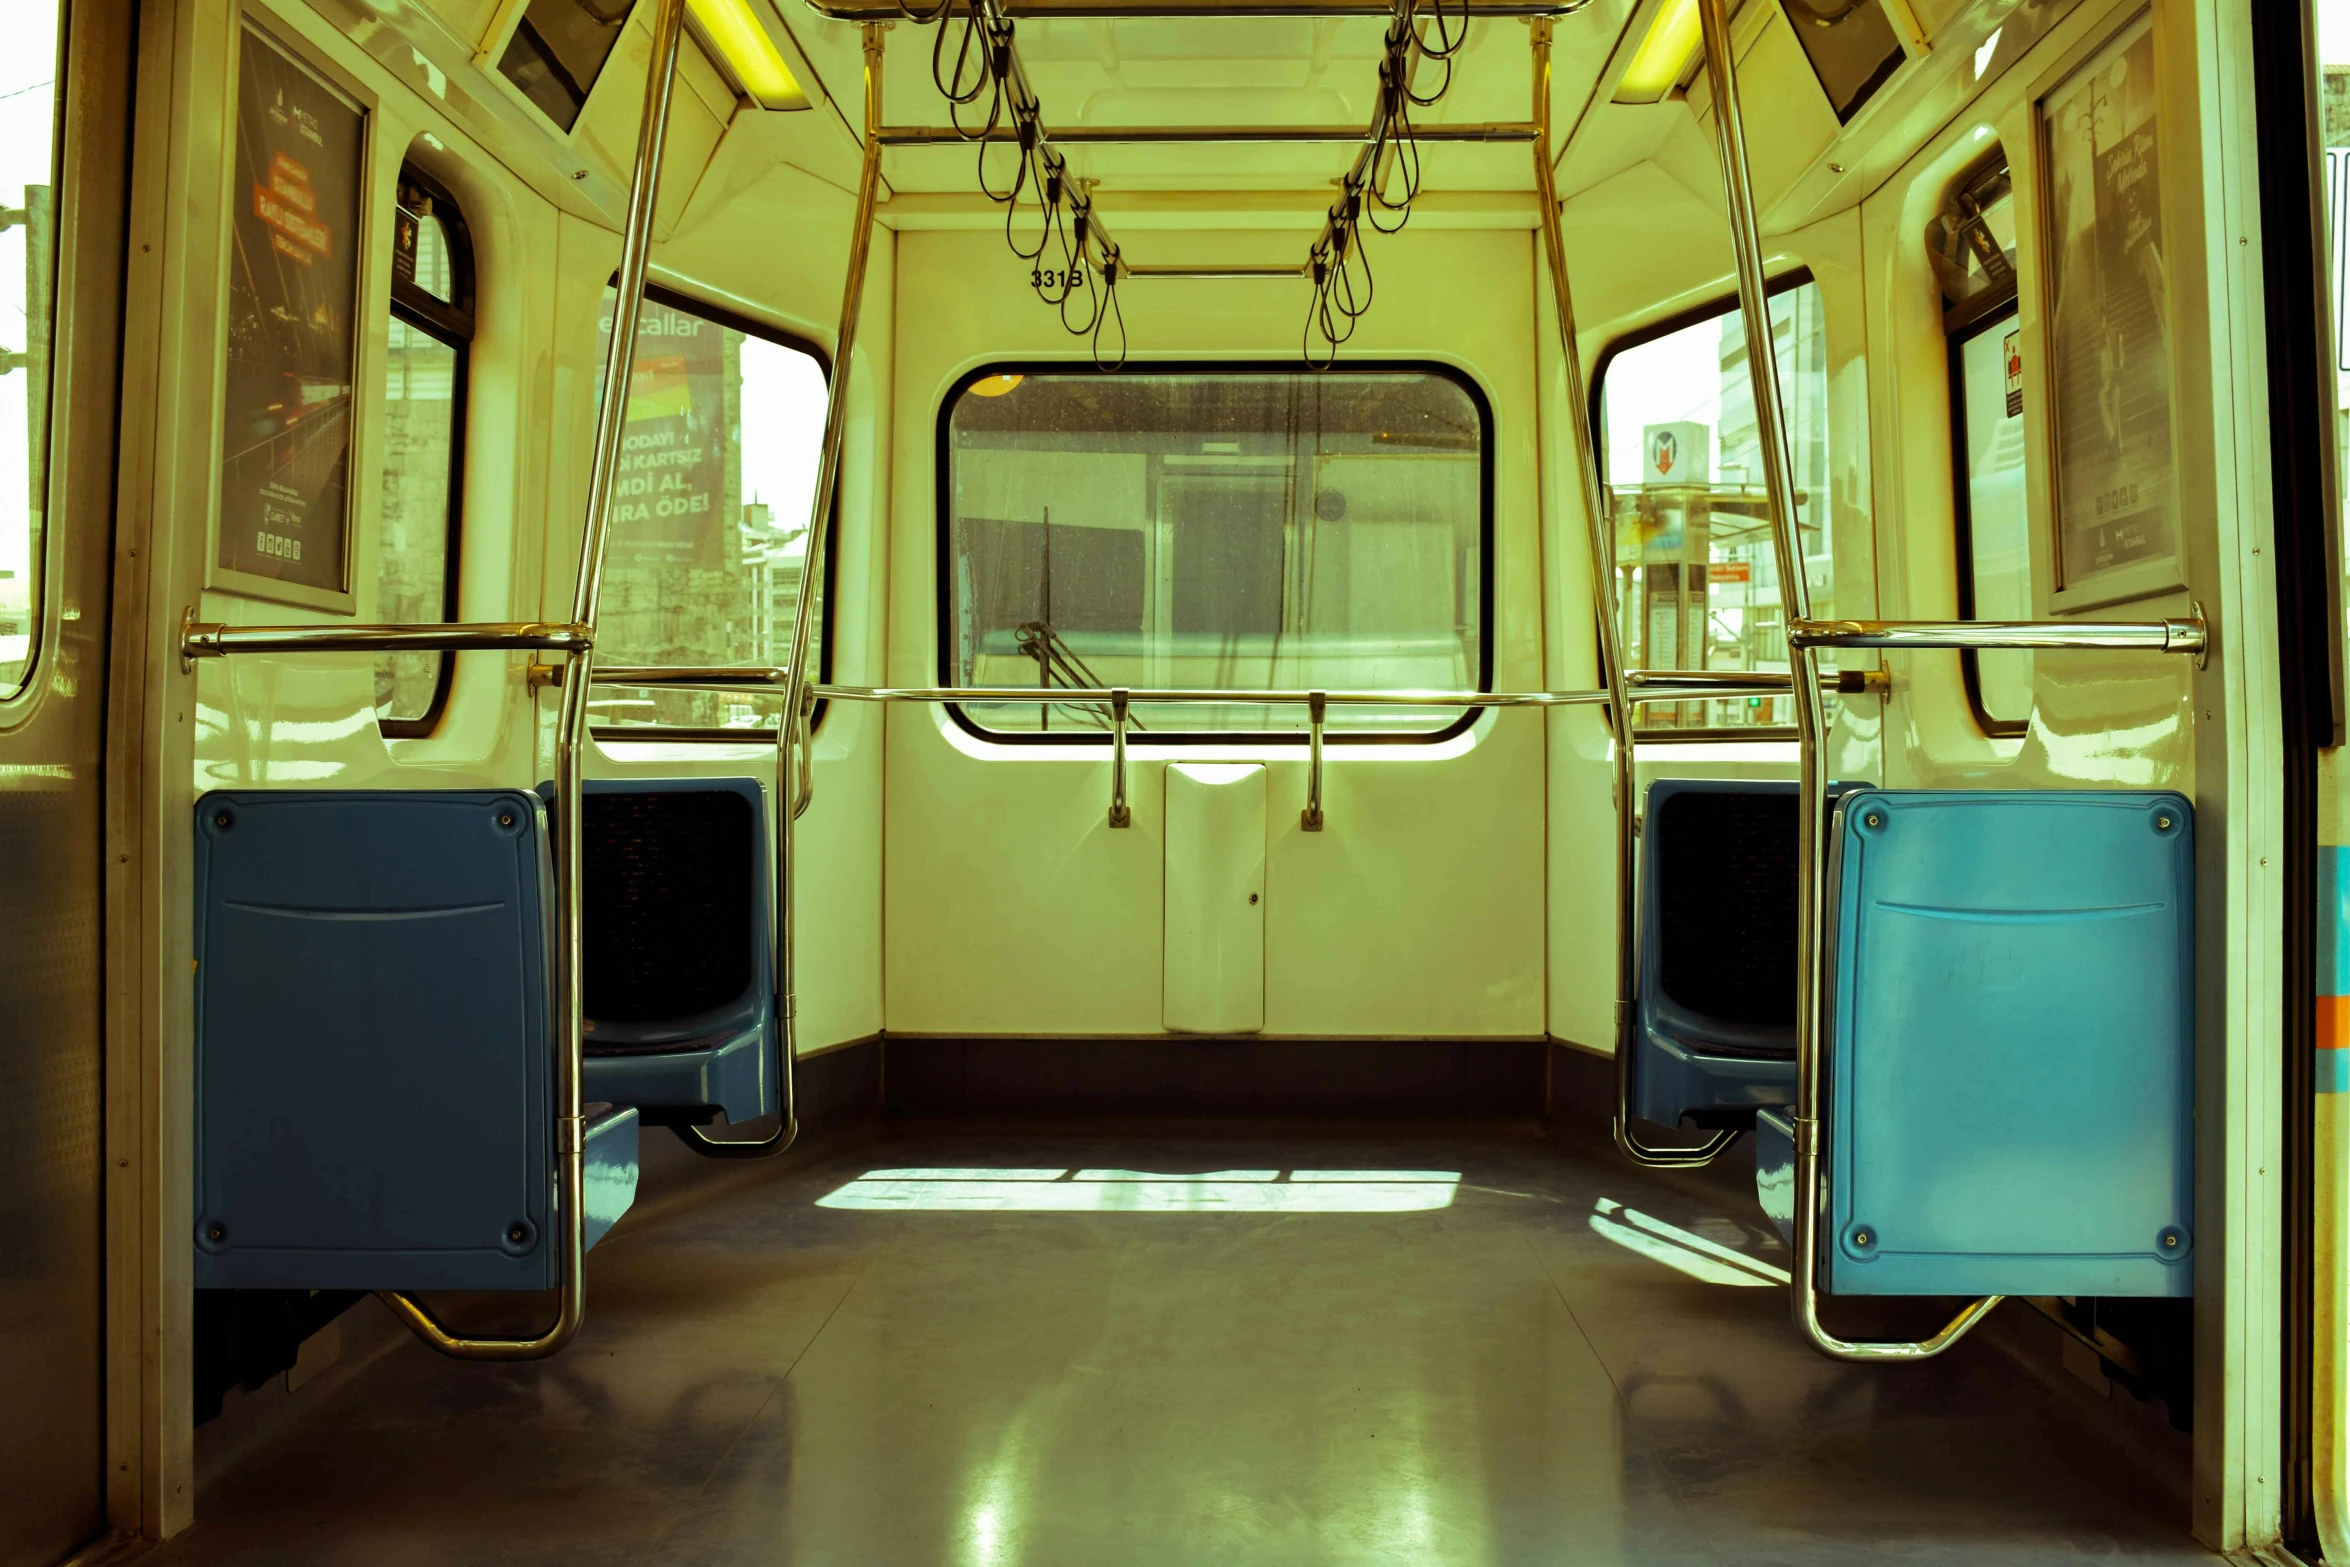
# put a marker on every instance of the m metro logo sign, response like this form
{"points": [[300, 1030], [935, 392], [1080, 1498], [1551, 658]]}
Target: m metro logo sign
{"points": [[1677, 453]]}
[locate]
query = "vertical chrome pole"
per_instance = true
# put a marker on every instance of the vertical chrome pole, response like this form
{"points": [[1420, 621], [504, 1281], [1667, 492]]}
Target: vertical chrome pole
{"points": [[799, 689], [1810, 722], [1582, 437], [571, 725]]}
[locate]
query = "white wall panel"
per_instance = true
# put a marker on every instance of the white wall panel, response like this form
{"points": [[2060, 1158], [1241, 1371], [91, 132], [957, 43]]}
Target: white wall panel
{"points": [[1215, 889]]}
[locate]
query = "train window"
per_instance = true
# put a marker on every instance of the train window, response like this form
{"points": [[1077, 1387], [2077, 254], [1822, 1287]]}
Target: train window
{"points": [[1218, 527], [559, 49], [1697, 581], [425, 371], [1972, 246], [1851, 45], [709, 512], [28, 185]]}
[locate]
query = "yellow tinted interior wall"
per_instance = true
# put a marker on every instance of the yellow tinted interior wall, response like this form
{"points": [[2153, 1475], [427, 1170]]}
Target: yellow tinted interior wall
{"points": [[1013, 908]]}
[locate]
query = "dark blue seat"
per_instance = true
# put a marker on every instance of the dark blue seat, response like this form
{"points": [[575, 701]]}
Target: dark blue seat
{"points": [[373, 1051], [2011, 1106], [679, 974], [1713, 1027]]}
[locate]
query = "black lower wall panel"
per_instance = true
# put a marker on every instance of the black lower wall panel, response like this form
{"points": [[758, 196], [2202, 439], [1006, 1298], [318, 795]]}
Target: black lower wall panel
{"points": [[1443, 1080]]}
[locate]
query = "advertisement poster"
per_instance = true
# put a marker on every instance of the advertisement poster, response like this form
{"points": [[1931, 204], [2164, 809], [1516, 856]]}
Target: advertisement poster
{"points": [[668, 499], [2110, 332], [293, 279]]}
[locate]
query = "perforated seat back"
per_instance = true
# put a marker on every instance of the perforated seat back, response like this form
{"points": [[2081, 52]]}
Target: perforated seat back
{"points": [[669, 902], [1725, 873]]}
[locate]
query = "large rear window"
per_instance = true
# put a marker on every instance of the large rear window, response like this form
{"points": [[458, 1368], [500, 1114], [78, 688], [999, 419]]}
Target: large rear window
{"points": [[1226, 528]]}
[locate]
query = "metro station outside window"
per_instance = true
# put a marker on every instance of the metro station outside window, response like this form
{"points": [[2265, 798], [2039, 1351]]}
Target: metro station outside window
{"points": [[1697, 577], [1220, 527], [30, 62], [710, 511]]}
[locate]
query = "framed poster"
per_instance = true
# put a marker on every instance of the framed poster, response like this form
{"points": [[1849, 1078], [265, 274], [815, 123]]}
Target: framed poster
{"points": [[2109, 338], [293, 287]]}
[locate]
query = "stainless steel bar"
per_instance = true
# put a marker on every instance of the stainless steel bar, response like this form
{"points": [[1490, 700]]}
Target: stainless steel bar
{"points": [[1100, 250], [2180, 635], [693, 677], [1120, 815], [1202, 135], [1071, 696], [1811, 824], [1731, 682], [1623, 690], [1317, 708], [1114, 10], [571, 731], [207, 639], [795, 785], [1238, 274]]}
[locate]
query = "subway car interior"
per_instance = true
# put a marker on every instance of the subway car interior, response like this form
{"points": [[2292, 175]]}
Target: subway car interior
{"points": [[1058, 782]]}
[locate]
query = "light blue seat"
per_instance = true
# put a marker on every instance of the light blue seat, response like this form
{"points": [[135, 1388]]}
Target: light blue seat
{"points": [[2010, 1066], [373, 1059]]}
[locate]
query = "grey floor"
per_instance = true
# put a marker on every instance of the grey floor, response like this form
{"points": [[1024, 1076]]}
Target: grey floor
{"points": [[1553, 1359]]}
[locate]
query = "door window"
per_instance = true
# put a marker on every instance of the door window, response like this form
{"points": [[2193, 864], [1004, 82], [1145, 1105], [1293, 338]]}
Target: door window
{"points": [[1972, 243], [710, 513], [425, 370], [1697, 575], [29, 66]]}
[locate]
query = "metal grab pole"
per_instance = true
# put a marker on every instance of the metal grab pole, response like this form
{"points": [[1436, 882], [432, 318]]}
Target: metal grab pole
{"points": [[792, 739], [571, 728], [1611, 652], [1803, 662]]}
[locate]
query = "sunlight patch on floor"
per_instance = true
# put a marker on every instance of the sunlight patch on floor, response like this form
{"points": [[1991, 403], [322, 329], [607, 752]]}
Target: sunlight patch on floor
{"points": [[959, 1190], [1681, 1250]]}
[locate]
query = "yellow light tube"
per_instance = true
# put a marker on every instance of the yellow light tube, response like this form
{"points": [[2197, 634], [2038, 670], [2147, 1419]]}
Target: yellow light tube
{"points": [[1657, 66], [750, 53]]}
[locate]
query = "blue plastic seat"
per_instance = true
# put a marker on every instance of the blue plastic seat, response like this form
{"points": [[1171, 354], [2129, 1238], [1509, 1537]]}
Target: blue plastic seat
{"points": [[1713, 1033], [373, 1051], [679, 975], [2011, 1059]]}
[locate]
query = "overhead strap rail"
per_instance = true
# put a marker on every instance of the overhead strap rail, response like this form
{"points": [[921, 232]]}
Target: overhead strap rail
{"points": [[1805, 637], [575, 640], [1384, 177], [1217, 10]]}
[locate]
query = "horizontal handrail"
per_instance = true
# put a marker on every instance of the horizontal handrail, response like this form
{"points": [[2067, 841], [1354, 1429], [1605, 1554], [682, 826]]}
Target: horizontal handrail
{"points": [[1198, 135], [211, 639], [690, 677], [1138, 696], [1654, 685], [2175, 635]]}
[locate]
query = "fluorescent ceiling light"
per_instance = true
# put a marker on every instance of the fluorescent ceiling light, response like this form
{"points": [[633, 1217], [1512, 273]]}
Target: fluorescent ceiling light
{"points": [[1673, 36], [743, 41]]}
